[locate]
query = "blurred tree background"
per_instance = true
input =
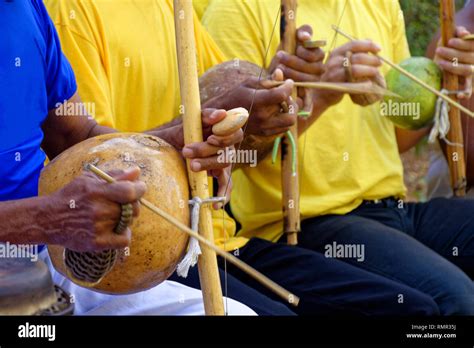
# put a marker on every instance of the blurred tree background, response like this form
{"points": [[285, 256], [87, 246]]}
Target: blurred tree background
{"points": [[422, 22]]}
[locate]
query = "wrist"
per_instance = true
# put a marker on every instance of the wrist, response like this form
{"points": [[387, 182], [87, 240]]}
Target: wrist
{"points": [[320, 104], [172, 135], [44, 217]]}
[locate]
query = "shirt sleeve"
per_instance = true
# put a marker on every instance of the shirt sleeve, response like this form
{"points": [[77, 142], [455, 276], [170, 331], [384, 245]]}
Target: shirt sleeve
{"points": [[401, 48], [87, 58], [60, 79], [93, 85], [208, 53], [241, 28]]}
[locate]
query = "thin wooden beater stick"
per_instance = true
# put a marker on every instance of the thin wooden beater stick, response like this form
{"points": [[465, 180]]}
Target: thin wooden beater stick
{"points": [[270, 284]]}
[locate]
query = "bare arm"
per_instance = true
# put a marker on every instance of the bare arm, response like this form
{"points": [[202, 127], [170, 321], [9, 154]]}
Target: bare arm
{"points": [[24, 221], [406, 139], [51, 219], [64, 131]]}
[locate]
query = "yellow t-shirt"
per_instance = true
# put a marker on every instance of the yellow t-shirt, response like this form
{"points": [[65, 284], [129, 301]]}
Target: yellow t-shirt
{"points": [[200, 6], [124, 55], [350, 154]]}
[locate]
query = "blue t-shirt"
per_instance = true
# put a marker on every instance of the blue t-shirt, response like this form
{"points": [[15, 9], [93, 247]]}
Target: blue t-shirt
{"points": [[34, 77]]}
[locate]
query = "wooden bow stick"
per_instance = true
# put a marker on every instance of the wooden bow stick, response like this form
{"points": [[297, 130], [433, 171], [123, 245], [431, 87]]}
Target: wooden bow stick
{"points": [[289, 172], [454, 148], [191, 112], [366, 87], [277, 289]]}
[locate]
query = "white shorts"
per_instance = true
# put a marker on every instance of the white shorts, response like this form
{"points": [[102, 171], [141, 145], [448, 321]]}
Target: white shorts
{"points": [[168, 298]]}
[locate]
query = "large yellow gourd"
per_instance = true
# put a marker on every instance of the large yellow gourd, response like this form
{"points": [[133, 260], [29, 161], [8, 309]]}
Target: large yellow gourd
{"points": [[157, 246]]}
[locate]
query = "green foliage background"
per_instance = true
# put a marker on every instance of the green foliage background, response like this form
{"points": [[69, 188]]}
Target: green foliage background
{"points": [[422, 22]]}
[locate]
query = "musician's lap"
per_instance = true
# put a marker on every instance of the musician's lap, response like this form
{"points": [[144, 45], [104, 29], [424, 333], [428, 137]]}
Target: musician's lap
{"points": [[168, 298], [423, 245]]}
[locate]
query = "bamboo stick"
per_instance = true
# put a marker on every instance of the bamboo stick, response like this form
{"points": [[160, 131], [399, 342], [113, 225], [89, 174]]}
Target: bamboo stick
{"points": [[455, 154], [191, 105], [413, 78], [346, 87], [270, 284], [289, 178]]}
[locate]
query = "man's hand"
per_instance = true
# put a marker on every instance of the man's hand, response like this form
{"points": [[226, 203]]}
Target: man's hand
{"points": [[267, 118], [208, 155], [263, 102], [205, 155], [89, 226], [306, 66], [364, 66], [458, 59]]}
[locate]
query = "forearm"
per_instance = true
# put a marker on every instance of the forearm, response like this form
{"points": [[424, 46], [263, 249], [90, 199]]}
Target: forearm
{"points": [[171, 132], [23, 221], [406, 139], [173, 135]]}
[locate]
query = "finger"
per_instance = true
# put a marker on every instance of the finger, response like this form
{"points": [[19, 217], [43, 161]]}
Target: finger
{"points": [[224, 182], [200, 150], [300, 101], [310, 55], [136, 208], [228, 140], [366, 59], [208, 163], [462, 45], [124, 192], [364, 71], [304, 33], [466, 89], [300, 64], [461, 31], [453, 55], [357, 46], [114, 240], [275, 95], [278, 75], [298, 76], [212, 116], [459, 69]]}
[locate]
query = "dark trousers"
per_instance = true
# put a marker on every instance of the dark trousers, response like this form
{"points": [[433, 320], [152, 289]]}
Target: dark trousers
{"points": [[325, 286], [426, 246]]}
